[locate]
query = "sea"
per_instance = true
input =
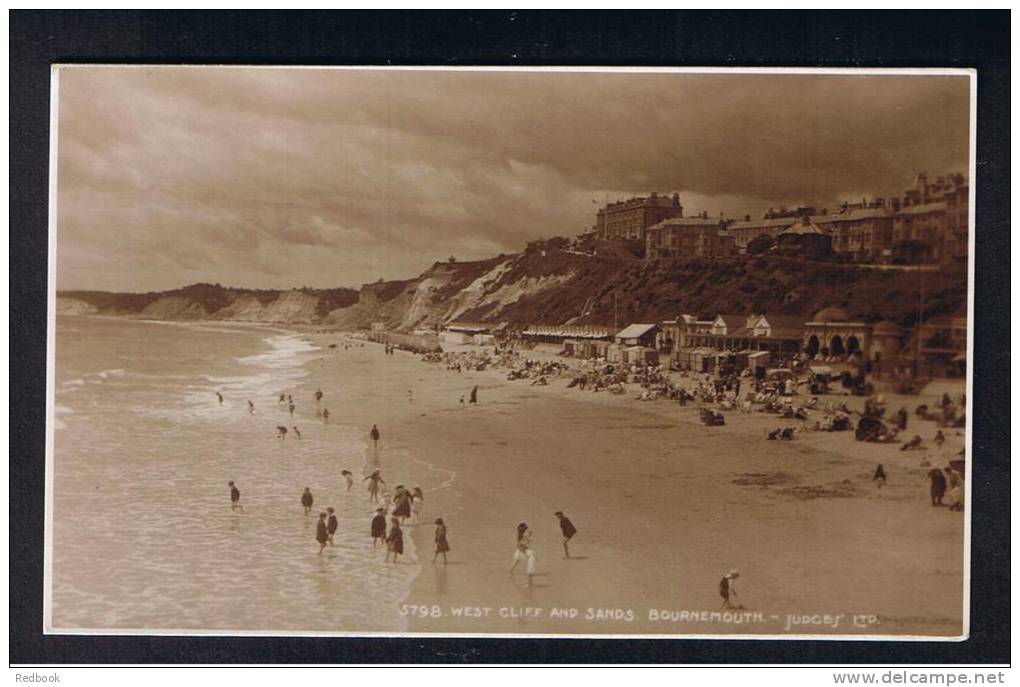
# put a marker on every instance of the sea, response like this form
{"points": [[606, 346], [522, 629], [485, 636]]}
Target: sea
{"points": [[143, 536]]}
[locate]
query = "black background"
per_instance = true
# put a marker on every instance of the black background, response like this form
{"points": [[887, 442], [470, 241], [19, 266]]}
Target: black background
{"points": [[833, 39]]}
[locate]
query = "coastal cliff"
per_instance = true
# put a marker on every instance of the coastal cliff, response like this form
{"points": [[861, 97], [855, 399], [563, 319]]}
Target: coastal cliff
{"points": [[558, 286], [564, 287]]}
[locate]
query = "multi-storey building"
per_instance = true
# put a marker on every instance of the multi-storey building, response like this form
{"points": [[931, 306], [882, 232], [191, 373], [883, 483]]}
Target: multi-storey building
{"points": [[628, 219], [864, 233], [746, 230], [933, 223], [689, 237]]}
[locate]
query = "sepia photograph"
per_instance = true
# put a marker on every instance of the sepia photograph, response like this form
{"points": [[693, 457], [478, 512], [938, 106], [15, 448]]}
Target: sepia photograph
{"points": [[508, 351]]}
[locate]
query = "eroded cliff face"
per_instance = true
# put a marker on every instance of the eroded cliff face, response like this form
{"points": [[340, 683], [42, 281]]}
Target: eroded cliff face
{"points": [[291, 307], [210, 301], [564, 287], [73, 306], [174, 308], [247, 308]]}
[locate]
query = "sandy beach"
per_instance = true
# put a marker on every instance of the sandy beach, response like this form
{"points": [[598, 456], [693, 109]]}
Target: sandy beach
{"points": [[664, 507]]}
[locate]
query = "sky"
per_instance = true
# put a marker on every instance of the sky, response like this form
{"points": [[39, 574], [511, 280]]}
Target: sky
{"points": [[283, 178]]}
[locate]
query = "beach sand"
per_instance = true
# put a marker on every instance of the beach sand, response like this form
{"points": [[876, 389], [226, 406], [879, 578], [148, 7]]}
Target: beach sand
{"points": [[664, 507]]}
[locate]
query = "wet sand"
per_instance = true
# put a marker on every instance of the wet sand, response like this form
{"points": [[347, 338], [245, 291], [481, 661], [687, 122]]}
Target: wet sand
{"points": [[664, 507]]}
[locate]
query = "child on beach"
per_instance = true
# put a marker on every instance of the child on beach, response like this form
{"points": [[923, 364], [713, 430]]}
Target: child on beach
{"points": [[325, 416], [235, 496], [474, 396], [220, 397], [374, 480], [726, 588], [307, 500], [879, 477], [375, 437], [379, 527], [251, 408], [297, 432], [348, 477], [332, 524], [321, 533], [524, 552], [417, 497], [395, 541], [442, 546], [568, 530], [402, 503]]}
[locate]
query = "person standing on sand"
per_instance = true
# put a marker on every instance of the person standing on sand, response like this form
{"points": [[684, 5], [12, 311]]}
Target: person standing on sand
{"points": [[568, 530], [374, 480], [318, 395], [726, 588], [879, 478], [473, 400], [379, 527], [219, 396], [938, 486], [940, 439], [524, 552], [375, 437], [307, 500], [235, 496], [462, 400], [348, 478], [325, 416], [290, 406], [395, 541], [442, 546], [321, 532], [410, 396], [251, 408], [297, 432], [332, 524], [417, 499]]}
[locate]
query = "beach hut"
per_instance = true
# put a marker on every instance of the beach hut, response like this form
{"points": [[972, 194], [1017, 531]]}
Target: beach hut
{"points": [[641, 355], [703, 359], [758, 362]]}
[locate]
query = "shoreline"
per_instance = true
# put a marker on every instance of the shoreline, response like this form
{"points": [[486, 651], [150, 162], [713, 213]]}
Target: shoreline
{"points": [[657, 527]]}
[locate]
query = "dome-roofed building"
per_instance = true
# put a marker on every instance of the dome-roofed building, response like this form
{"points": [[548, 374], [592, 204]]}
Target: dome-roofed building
{"points": [[832, 335], [831, 314]]}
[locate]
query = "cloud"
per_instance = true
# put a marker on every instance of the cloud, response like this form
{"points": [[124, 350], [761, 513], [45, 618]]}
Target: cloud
{"points": [[283, 177]]}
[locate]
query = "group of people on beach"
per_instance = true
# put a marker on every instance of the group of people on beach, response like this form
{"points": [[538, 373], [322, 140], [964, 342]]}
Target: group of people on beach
{"points": [[287, 402], [328, 523]]}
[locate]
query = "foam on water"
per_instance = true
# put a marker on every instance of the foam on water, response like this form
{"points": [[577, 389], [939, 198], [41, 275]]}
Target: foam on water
{"points": [[143, 533]]}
